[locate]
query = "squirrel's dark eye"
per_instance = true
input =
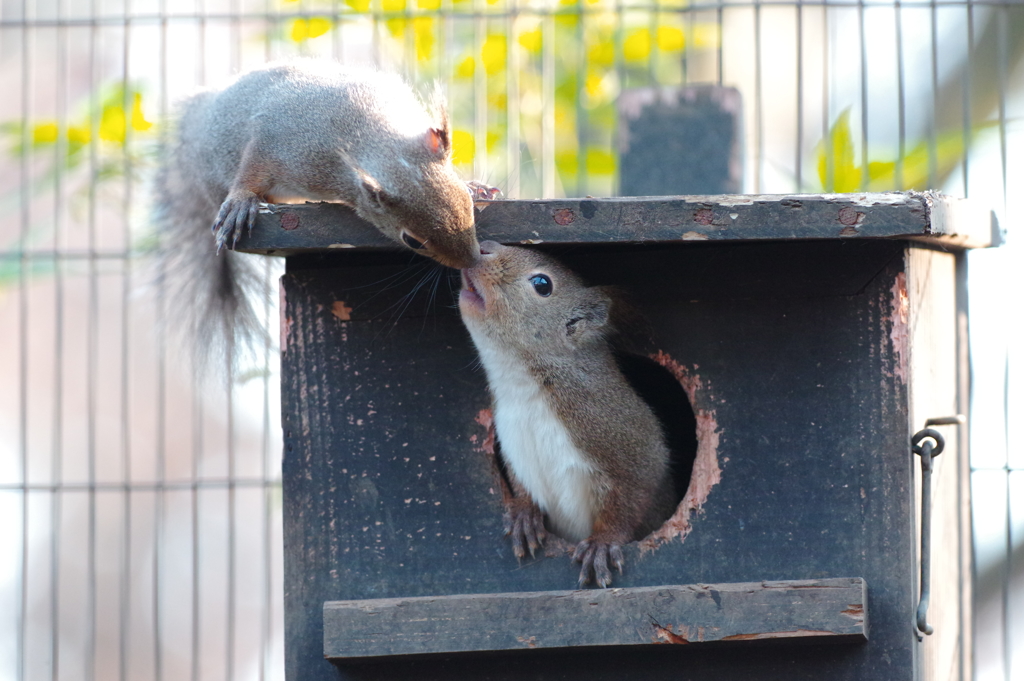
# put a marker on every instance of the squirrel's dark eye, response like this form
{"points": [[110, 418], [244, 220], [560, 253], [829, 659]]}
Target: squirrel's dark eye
{"points": [[411, 242], [541, 284]]}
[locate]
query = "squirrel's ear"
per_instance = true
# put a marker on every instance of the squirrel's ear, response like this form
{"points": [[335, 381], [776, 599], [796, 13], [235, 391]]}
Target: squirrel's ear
{"points": [[438, 138], [372, 190], [628, 329], [588, 318], [438, 142]]}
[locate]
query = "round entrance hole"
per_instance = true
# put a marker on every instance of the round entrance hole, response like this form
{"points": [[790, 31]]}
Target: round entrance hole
{"points": [[667, 398], [668, 389]]}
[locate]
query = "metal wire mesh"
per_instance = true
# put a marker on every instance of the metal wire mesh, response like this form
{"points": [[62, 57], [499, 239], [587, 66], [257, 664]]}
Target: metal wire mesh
{"points": [[141, 501]]}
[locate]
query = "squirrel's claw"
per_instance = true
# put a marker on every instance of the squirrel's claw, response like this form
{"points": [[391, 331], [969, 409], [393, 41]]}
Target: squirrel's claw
{"points": [[524, 523], [482, 192], [597, 558], [236, 214]]}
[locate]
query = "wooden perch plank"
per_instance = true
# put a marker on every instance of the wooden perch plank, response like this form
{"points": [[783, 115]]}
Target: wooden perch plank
{"points": [[956, 223], [831, 608]]}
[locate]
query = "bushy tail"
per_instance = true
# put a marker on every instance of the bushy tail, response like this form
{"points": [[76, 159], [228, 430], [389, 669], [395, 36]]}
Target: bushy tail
{"points": [[209, 296]]}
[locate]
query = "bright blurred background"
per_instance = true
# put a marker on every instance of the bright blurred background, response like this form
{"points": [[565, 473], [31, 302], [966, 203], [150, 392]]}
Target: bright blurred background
{"points": [[140, 503]]}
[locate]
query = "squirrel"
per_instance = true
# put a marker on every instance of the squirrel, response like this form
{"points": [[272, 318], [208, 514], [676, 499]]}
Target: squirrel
{"points": [[578, 442], [302, 129]]}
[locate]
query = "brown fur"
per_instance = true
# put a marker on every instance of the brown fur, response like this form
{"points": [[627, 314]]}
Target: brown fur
{"points": [[563, 340]]}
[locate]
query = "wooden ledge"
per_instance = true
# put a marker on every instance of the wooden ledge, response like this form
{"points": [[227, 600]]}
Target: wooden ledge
{"points": [[291, 229], [829, 609]]}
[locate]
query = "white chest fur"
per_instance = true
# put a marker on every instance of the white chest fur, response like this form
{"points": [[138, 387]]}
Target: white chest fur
{"points": [[537, 446]]}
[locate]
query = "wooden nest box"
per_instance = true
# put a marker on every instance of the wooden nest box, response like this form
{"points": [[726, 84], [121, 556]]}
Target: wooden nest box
{"points": [[812, 336]]}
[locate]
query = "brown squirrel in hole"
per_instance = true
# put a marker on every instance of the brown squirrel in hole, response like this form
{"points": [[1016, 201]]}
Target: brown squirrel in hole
{"points": [[581, 447]]}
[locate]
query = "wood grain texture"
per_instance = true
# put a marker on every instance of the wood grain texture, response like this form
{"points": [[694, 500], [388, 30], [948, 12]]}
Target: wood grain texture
{"points": [[388, 495], [932, 336], [925, 216], [701, 613]]}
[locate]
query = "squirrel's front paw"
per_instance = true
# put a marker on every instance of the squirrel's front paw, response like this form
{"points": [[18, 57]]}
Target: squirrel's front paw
{"points": [[524, 522], [597, 558], [482, 192], [236, 213]]}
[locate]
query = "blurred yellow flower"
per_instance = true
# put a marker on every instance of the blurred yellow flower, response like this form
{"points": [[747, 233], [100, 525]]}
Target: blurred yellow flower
{"points": [[597, 87], [44, 133], [493, 53], [423, 28], [139, 121], [112, 123], [359, 5], [465, 68], [497, 101], [463, 147], [602, 53], [565, 118], [79, 135], [636, 48], [705, 35], [396, 26], [532, 41], [671, 39], [492, 140], [305, 29]]}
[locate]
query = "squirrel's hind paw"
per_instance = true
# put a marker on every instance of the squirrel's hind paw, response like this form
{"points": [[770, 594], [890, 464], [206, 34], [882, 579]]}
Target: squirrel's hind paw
{"points": [[524, 523], [236, 214], [597, 558]]}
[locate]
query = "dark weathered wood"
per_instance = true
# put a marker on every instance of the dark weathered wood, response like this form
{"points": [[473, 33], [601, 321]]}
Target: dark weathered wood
{"points": [[701, 613], [387, 494], [680, 140], [954, 223], [713, 271]]}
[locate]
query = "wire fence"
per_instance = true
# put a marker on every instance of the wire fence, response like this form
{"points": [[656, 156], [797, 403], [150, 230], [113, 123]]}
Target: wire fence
{"points": [[141, 498]]}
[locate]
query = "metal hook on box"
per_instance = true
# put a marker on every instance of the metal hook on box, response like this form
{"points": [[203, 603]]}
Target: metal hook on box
{"points": [[928, 444]]}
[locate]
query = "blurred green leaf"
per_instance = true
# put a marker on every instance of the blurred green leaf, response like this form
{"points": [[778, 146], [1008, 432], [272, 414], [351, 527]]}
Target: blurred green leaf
{"points": [[600, 161], [568, 164], [838, 170], [109, 113]]}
